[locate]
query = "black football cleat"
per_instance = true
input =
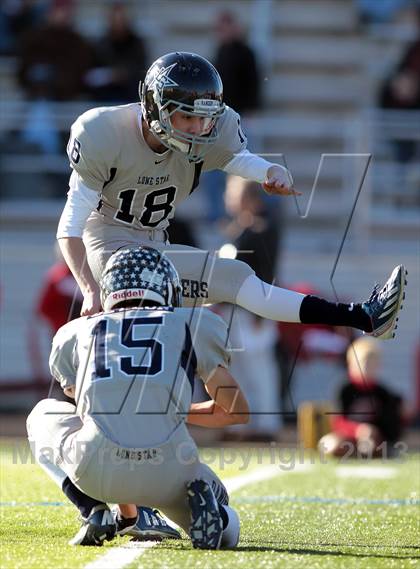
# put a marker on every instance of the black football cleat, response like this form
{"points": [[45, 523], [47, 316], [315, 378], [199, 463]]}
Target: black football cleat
{"points": [[98, 527], [151, 526], [206, 523], [384, 305]]}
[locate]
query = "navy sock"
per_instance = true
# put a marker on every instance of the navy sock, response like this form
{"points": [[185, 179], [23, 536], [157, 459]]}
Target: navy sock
{"points": [[83, 502], [314, 310], [123, 523]]}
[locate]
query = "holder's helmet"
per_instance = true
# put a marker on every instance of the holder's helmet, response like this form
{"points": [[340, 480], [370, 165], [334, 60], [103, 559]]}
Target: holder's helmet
{"points": [[139, 274]]}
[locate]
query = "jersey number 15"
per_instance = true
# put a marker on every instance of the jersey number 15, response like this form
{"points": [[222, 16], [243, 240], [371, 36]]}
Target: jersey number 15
{"points": [[152, 349]]}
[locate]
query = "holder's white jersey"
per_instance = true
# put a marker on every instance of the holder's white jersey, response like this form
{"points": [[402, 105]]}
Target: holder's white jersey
{"points": [[134, 369], [139, 187]]}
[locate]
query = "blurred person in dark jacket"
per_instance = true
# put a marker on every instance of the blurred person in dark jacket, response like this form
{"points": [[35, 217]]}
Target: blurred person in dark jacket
{"points": [[54, 57], [401, 91], [120, 59], [255, 229], [181, 231], [254, 232], [16, 17], [236, 63], [53, 61]]}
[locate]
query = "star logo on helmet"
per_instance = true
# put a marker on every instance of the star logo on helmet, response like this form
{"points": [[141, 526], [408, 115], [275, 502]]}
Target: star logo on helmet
{"points": [[162, 79]]}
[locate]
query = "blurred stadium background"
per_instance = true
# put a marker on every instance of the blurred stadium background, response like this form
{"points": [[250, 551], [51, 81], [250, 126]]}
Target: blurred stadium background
{"points": [[322, 65]]}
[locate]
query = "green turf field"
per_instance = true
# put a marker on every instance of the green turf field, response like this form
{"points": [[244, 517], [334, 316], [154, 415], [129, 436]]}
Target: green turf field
{"points": [[352, 514]]}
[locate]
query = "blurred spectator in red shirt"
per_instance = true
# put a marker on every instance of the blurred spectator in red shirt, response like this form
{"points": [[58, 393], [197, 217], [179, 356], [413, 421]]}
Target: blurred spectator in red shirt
{"points": [[312, 340], [369, 413], [60, 299], [301, 343]]}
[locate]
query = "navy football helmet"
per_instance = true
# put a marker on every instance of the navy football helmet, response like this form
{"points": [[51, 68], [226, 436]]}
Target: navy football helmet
{"points": [[186, 82]]}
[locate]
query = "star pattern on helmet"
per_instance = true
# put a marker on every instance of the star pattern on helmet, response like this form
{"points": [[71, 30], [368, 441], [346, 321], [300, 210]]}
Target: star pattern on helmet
{"points": [[162, 79], [133, 269]]}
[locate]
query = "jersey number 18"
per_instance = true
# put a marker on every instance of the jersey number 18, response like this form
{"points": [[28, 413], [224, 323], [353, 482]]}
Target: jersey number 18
{"points": [[155, 202]]}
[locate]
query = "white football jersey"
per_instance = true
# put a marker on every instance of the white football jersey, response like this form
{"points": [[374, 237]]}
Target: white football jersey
{"points": [[134, 369], [139, 187]]}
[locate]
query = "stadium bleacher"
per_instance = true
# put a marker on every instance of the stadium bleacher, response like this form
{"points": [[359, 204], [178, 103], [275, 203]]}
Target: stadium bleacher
{"points": [[320, 78]]}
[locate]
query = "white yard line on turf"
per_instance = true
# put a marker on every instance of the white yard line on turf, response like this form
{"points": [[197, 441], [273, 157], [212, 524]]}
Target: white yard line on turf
{"points": [[259, 475], [119, 557], [362, 471]]}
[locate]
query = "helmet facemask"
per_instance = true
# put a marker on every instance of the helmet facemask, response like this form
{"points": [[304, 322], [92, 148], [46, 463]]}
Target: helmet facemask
{"points": [[181, 141]]}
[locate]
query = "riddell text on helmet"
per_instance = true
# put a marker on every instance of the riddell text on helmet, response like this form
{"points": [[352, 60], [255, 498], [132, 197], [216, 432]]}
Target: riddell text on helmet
{"points": [[128, 294]]}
